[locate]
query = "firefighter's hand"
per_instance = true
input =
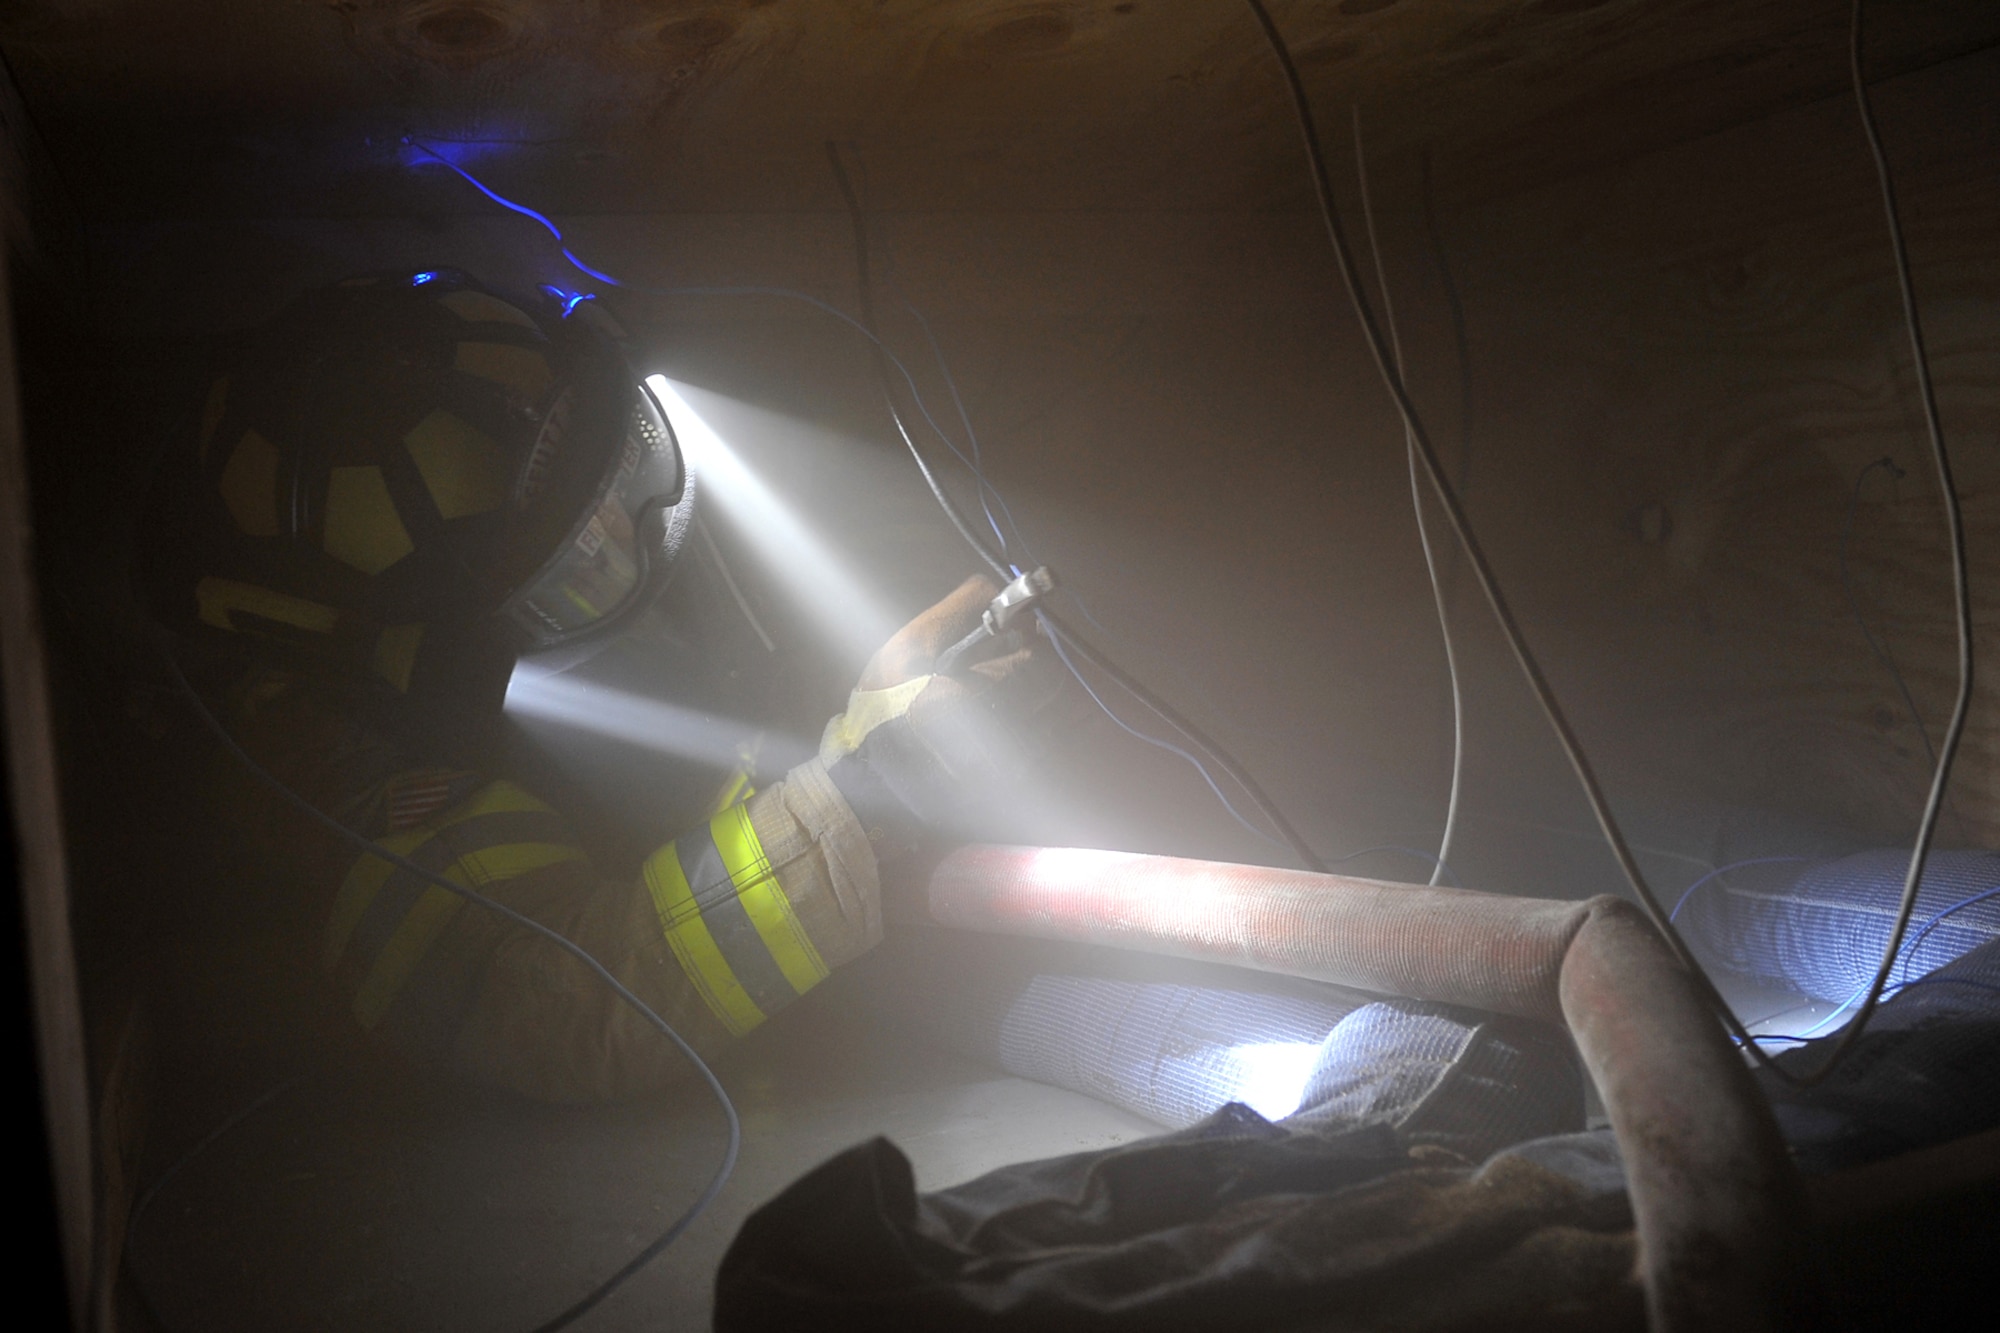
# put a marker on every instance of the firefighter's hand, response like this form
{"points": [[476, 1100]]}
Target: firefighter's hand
{"points": [[918, 753], [912, 650]]}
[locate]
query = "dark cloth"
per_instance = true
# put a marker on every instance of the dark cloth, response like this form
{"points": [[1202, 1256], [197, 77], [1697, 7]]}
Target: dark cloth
{"points": [[1926, 1070], [1234, 1218], [1323, 1221], [1442, 1077], [1233, 1224]]}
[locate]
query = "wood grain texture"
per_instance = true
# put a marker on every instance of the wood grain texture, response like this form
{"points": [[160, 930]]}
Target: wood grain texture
{"points": [[247, 108], [1714, 335]]}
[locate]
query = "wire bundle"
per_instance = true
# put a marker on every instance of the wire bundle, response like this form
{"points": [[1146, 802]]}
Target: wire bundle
{"points": [[1388, 364]]}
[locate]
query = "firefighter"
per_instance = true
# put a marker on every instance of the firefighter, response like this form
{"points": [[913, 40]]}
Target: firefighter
{"points": [[393, 491]]}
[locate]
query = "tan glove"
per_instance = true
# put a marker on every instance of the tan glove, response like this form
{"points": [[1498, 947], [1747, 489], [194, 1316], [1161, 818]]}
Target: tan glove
{"points": [[918, 753]]}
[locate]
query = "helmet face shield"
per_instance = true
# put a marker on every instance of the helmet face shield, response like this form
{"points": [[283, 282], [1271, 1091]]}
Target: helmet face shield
{"points": [[609, 566]]}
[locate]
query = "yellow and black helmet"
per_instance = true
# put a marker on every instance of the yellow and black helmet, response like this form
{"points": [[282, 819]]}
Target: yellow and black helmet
{"points": [[402, 461]]}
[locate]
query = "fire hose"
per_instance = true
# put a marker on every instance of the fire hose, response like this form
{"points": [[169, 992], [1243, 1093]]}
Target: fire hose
{"points": [[1720, 1211]]}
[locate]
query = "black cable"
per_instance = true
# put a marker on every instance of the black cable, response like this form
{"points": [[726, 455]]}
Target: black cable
{"points": [[860, 222], [1168, 714], [1961, 586], [372, 848], [145, 1200], [1085, 650]]}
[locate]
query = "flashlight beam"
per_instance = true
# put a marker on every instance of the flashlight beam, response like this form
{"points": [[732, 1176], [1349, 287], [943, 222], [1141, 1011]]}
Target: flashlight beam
{"points": [[799, 557], [651, 724]]}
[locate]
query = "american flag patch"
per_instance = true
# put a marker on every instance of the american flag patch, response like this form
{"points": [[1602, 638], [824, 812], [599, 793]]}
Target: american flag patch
{"points": [[414, 797]]}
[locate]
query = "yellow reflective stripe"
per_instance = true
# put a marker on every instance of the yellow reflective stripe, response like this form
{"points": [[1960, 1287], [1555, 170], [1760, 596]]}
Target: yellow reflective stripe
{"points": [[764, 899], [694, 948], [364, 880], [368, 874], [734, 792], [425, 921], [217, 599], [405, 950]]}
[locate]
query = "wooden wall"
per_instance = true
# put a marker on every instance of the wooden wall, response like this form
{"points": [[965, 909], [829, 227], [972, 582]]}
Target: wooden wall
{"points": [[1682, 367], [1678, 367]]}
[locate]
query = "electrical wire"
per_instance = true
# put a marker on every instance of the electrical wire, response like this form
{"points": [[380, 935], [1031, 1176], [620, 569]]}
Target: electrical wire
{"points": [[858, 209], [522, 209], [1907, 953], [1838, 1010], [1719, 871], [986, 488], [1062, 655], [1489, 584], [865, 329], [1951, 981], [859, 219], [883, 354], [1960, 580], [160, 1182], [853, 324], [145, 1200], [1807, 1035], [371, 848], [1417, 854], [1050, 622], [1056, 628], [1875, 644], [1461, 525], [706, 543], [1423, 529], [1916, 940]]}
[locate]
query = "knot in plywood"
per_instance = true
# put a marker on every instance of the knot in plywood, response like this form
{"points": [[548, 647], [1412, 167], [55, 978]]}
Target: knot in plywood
{"points": [[461, 32]]}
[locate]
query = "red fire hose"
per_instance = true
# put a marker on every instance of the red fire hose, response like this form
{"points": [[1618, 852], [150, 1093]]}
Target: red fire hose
{"points": [[1719, 1209]]}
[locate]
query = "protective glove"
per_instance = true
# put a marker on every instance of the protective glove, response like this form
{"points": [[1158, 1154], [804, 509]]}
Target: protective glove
{"points": [[918, 754]]}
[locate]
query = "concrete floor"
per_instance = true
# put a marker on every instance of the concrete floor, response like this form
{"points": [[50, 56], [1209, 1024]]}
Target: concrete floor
{"points": [[366, 1200], [367, 1197], [371, 1201]]}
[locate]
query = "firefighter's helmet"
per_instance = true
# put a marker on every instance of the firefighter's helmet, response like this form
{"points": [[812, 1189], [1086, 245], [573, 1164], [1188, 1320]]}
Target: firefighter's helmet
{"points": [[401, 461]]}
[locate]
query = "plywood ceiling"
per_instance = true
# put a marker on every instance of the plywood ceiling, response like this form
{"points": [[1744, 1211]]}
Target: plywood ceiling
{"points": [[289, 107]]}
